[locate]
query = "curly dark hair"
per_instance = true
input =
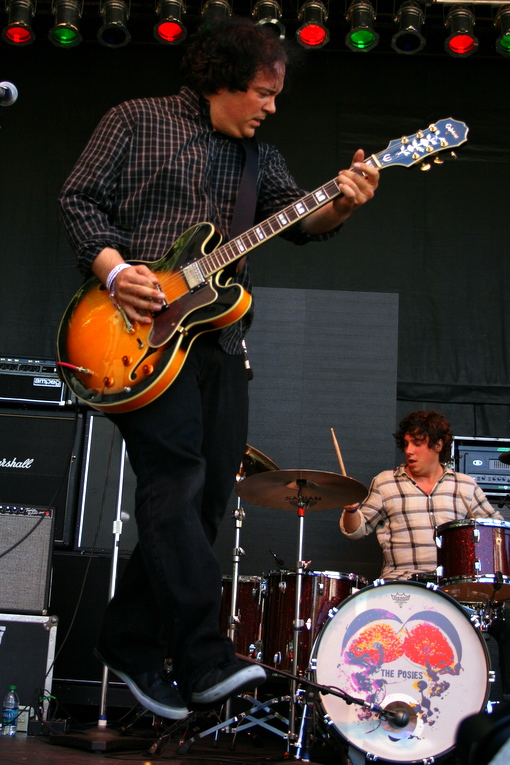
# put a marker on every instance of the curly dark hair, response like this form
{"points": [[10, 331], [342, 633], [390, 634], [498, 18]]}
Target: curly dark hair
{"points": [[229, 53], [421, 424]]}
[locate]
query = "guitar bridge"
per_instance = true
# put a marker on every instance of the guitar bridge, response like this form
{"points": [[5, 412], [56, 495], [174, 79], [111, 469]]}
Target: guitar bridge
{"points": [[194, 276]]}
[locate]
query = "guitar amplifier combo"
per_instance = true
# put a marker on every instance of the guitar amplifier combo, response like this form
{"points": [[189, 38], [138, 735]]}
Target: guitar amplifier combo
{"points": [[25, 558], [31, 381]]}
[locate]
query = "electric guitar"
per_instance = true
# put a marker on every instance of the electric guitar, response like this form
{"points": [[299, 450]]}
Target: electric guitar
{"points": [[116, 365]]}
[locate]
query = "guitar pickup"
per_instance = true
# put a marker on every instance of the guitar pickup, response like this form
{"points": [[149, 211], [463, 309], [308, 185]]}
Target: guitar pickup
{"points": [[194, 276]]}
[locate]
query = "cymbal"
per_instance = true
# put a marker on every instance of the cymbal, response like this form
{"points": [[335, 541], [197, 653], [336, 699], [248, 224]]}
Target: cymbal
{"points": [[254, 462], [312, 489], [504, 457]]}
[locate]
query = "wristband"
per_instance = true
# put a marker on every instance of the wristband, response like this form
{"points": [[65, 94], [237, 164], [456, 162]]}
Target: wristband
{"points": [[110, 279], [352, 511]]}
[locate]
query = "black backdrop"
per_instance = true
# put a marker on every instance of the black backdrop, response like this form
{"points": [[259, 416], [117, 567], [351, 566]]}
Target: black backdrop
{"points": [[437, 239]]}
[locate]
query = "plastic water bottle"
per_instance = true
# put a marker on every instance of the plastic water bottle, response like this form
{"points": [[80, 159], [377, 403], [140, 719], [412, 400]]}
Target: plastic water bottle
{"points": [[10, 712]]}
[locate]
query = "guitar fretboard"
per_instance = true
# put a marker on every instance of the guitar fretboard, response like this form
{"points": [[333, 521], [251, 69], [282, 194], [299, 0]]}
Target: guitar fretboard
{"points": [[243, 244]]}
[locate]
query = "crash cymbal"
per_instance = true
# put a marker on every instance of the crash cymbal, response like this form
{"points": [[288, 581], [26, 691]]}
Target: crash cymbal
{"points": [[504, 457], [312, 489], [255, 462]]}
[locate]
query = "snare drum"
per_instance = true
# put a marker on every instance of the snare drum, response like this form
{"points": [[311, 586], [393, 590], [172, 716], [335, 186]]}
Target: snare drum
{"points": [[248, 616], [472, 555], [320, 592], [403, 646]]}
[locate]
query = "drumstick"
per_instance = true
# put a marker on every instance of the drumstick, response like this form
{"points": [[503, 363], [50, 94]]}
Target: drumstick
{"points": [[338, 453]]}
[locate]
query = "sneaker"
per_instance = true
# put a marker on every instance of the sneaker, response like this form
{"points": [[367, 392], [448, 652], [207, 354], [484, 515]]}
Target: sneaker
{"points": [[221, 683], [154, 691]]}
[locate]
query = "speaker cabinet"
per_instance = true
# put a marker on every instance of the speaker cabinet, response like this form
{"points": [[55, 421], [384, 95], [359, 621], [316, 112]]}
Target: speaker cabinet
{"points": [[40, 455], [80, 609], [107, 489], [25, 558]]}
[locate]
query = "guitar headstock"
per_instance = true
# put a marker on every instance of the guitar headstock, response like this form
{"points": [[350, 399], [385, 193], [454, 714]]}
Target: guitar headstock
{"points": [[409, 150]]}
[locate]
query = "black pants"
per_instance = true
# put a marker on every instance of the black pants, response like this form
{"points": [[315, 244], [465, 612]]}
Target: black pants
{"points": [[185, 449]]}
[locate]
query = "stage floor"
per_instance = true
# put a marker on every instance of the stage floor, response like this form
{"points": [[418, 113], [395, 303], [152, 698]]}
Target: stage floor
{"points": [[28, 750]]}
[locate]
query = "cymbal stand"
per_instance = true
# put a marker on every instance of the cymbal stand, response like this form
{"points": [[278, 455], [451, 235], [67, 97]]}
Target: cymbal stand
{"points": [[238, 515], [302, 504]]}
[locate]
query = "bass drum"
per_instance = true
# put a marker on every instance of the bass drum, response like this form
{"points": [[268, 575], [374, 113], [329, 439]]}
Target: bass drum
{"points": [[403, 646]]}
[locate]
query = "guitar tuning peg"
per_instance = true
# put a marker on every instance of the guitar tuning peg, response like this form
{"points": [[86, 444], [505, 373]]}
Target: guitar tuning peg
{"points": [[425, 167], [438, 161], [453, 155]]}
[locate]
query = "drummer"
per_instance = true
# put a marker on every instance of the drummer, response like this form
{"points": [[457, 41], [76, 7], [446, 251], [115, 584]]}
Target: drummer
{"points": [[404, 505]]}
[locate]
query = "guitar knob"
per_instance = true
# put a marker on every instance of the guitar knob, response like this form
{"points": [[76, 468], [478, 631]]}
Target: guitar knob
{"points": [[127, 360], [108, 382], [147, 369]]}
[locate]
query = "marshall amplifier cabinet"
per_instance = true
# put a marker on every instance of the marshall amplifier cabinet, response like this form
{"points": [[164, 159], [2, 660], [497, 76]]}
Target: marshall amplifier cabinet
{"points": [[40, 464], [31, 381]]}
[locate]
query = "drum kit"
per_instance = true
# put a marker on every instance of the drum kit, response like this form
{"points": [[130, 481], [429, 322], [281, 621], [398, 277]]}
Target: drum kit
{"points": [[391, 667]]}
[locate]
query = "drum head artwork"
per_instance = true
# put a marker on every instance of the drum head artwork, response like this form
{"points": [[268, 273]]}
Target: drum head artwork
{"points": [[402, 646]]}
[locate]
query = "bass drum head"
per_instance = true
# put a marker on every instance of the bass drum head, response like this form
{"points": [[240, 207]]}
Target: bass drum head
{"points": [[402, 646]]}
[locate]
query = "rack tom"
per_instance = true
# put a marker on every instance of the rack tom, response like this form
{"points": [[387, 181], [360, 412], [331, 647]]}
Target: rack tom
{"points": [[474, 559]]}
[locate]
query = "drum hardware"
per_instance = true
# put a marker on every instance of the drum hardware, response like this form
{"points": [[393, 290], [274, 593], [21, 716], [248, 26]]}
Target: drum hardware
{"points": [[302, 490], [394, 715], [253, 463]]}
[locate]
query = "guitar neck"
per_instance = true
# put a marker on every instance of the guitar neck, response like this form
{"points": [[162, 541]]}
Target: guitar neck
{"points": [[244, 243], [405, 151]]}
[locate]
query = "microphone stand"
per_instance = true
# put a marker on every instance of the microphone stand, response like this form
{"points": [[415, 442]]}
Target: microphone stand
{"points": [[101, 738], [397, 718]]}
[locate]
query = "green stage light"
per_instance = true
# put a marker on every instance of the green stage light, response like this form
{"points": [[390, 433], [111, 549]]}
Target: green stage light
{"points": [[362, 37], [65, 32], [502, 24]]}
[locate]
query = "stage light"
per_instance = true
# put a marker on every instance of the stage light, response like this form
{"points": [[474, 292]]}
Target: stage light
{"points": [[409, 38], [19, 15], [313, 32], [268, 13], [362, 36], [502, 24], [114, 33], [169, 29], [67, 13], [215, 10], [461, 41]]}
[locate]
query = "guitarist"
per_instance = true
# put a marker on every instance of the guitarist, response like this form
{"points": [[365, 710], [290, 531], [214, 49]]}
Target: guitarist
{"points": [[153, 168]]}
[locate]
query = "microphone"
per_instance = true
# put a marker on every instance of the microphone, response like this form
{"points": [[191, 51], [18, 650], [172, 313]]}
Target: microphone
{"points": [[247, 364], [398, 719], [8, 93]]}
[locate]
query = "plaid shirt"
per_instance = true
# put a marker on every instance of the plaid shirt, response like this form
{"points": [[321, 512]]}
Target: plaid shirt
{"points": [[404, 517], [155, 167]]}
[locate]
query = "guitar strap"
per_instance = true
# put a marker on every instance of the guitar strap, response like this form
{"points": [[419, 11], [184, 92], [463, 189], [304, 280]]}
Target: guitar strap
{"points": [[246, 202]]}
